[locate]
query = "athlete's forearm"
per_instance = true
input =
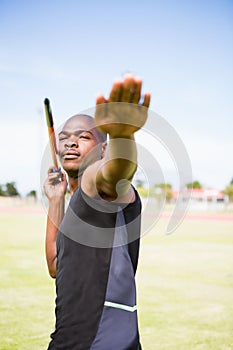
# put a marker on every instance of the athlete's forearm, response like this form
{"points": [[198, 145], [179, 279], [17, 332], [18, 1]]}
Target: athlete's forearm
{"points": [[120, 161], [54, 219]]}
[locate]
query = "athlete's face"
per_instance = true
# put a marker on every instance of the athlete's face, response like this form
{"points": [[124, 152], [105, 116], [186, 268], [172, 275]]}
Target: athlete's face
{"points": [[77, 138]]}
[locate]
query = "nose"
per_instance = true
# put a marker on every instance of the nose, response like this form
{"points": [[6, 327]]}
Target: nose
{"points": [[71, 143]]}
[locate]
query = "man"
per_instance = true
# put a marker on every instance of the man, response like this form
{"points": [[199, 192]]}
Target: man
{"points": [[92, 250]]}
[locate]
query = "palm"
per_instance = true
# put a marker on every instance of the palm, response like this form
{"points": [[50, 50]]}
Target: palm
{"points": [[122, 115]]}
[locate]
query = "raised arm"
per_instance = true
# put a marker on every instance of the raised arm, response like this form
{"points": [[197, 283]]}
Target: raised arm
{"points": [[120, 116], [55, 191]]}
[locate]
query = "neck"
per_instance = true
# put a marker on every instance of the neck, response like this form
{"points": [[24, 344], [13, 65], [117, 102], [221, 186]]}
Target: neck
{"points": [[73, 184]]}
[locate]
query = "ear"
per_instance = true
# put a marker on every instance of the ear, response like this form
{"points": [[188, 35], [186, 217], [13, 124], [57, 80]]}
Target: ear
{"points": [[103, 149]]}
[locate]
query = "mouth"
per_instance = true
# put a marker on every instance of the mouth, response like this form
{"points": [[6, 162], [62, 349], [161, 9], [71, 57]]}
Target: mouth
{"points": [[70, 155]]}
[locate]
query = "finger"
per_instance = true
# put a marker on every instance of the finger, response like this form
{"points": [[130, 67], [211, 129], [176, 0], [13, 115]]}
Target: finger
{"points": [[128, 88], [135, 98], [50, 170], [101, 106], [63, 176], [115, 94], [56, 179], [146, 101], [100, 99], [53, 176]]}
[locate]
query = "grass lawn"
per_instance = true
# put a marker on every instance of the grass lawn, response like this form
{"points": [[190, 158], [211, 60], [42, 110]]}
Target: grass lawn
{"points": [[185, 286]]}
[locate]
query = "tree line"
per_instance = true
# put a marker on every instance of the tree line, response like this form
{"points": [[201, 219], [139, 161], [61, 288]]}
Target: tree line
{"points": [[9, 189], [164, 190], [158, 191]]}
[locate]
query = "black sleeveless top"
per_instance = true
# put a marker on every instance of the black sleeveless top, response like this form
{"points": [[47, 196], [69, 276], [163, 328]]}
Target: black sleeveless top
{"points": [[97, 256]]}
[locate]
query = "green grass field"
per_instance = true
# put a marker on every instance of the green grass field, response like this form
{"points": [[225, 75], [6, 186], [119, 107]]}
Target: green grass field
{"points": [[185, 286]]}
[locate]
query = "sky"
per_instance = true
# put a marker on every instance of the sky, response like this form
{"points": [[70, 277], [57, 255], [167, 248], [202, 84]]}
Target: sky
{"points": [[69, 51]]}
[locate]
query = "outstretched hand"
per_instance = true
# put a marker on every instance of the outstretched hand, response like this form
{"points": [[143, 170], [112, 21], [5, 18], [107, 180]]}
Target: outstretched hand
{"points": [[121, 115]]}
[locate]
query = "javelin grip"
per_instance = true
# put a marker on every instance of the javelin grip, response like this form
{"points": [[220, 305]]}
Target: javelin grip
{"points": [[52, 139]]}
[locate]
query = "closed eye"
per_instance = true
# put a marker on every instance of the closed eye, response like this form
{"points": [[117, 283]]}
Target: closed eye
{"points": [[62, 138], [84, 137]]}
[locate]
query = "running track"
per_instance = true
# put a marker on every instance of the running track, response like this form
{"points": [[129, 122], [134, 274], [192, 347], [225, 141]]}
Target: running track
{"points": [[37, 210]]}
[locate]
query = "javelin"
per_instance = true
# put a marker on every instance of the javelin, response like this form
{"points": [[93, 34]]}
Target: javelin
{"points": [[52, 139]]}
